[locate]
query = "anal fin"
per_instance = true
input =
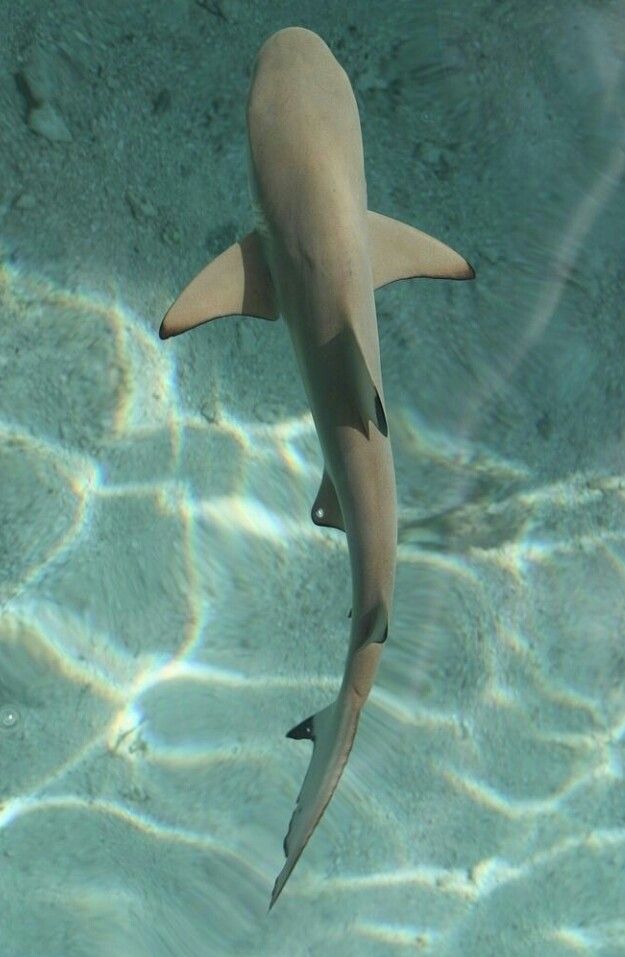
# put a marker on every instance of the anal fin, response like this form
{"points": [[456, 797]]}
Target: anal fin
{"points": [[326, 510]]}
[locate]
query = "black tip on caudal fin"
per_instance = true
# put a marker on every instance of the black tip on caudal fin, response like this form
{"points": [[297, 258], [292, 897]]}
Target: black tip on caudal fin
{"points": [[303, 730]]}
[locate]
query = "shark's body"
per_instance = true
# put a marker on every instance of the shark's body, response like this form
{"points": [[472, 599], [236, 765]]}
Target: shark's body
{"points": [[315, 257]]}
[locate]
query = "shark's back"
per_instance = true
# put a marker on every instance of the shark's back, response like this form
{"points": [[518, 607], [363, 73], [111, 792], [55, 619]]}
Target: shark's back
{"points": [[307, 184], [305, 144]]}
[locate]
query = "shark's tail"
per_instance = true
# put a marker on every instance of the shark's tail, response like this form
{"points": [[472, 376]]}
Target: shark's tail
{"points": [[332, 732]]}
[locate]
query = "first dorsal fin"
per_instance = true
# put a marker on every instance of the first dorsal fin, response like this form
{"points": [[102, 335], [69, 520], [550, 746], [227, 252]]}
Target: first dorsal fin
{"points": [[399, 251], [237, 283], [369, 405], [342, 356]]}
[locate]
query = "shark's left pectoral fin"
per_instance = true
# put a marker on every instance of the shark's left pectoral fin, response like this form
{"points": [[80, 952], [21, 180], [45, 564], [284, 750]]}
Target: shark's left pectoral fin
{"points": [[237, 283], [399, 251]]}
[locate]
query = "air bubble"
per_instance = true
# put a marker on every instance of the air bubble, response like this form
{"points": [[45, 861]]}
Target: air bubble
{"points": [[9, 717]]}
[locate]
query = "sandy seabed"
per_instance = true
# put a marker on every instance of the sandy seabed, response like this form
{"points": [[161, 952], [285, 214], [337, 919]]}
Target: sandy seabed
{"points": [[168, 608]]}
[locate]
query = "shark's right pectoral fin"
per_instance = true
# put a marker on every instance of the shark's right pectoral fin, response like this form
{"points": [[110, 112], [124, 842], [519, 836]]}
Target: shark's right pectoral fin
{"points": [[332, 731], [399, 251], [237, 283]]}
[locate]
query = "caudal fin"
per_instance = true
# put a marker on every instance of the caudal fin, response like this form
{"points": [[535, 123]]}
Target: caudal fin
{"points": [[332, 732]]}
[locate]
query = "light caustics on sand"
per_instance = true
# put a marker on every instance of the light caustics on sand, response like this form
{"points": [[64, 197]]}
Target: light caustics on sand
{"points": [[84, 654]]}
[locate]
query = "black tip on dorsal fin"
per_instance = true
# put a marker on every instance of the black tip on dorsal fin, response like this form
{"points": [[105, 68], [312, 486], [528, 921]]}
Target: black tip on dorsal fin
{"points": [[381, 415], [303, 730]]}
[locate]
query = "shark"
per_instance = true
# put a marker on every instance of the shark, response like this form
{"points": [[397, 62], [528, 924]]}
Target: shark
{"points": [[315, 257]]}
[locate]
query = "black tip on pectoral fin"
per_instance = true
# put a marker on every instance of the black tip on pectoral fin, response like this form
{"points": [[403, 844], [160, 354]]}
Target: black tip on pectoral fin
{"points": [[303, 730]]}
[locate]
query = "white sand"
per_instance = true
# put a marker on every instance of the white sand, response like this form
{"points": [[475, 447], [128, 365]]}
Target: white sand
{"points": [[169, 611]]}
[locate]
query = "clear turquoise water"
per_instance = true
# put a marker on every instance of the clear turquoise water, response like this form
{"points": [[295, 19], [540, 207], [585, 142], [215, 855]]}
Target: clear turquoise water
{"points": [[168, 608]]}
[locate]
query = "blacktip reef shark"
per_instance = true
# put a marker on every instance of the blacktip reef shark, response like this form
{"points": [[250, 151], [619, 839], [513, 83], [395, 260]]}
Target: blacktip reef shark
{"points": [[315, 257]]}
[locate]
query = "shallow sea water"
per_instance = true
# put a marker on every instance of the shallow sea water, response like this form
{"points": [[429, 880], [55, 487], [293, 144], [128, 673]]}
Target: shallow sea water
{"points": [[168, 610]]}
